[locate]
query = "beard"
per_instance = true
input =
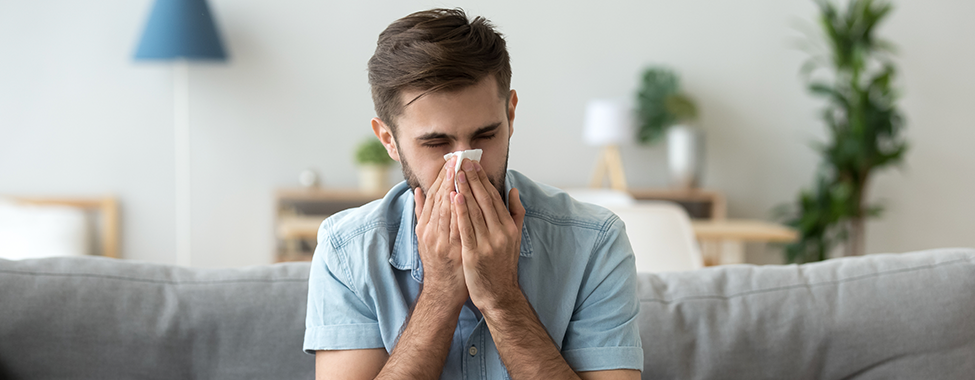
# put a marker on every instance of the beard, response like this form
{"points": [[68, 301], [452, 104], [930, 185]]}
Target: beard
{"points": [[496, 179]]}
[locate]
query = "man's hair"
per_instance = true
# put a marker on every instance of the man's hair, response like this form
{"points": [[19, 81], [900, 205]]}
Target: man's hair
{"points": [[434, 50]]}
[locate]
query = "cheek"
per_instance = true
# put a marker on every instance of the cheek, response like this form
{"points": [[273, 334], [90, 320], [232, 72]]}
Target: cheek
{"points": [[494, 158], [431, 167]]}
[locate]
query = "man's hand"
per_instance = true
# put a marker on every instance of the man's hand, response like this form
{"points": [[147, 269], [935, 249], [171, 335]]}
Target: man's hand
{"points": [[438, 241], [490, 235]]}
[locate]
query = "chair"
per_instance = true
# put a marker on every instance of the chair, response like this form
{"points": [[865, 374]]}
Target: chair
{"points": [[661, 235]]}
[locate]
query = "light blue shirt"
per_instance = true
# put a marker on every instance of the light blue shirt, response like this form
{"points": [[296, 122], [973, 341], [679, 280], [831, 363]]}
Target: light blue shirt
{"points": [[576, 269]]}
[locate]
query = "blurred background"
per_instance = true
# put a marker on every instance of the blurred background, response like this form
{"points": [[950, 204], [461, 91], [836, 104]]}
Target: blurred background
{"points": [[80, 117]]}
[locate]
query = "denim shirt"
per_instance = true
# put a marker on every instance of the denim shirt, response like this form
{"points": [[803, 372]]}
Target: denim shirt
{"points": [[576, 268]]}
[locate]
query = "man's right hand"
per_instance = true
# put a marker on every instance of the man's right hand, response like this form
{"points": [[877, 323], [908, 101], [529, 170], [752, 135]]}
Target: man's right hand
{"points": [[438, 241]]}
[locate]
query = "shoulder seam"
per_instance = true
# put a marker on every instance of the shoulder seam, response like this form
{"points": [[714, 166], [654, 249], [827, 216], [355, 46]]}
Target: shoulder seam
{"points": [[563, 221]]}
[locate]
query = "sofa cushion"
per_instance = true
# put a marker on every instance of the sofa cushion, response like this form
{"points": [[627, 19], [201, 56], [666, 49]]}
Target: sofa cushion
{"points": [[99, 318], [901, 316]]}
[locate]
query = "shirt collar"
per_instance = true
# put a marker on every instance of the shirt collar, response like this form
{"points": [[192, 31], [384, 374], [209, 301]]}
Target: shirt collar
{"points": [[405, 255]]}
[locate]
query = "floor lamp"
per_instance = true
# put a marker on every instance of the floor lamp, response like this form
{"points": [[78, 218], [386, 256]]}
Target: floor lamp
{"points": [[180, 31], [609, 123]]}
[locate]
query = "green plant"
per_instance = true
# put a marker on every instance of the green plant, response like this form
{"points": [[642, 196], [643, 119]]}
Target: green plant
{"points": [[864, 131], [660, 104], [372, 152]]}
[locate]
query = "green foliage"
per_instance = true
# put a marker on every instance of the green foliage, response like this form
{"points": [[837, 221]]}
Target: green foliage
{"points": [[660, 104], [372, 152], [864, 130]]}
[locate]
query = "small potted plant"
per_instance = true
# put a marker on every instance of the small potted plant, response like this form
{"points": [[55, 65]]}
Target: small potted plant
{"points": [[374, 164], [662, 110]]}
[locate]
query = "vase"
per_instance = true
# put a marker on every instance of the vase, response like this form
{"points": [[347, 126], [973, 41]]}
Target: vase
{"points": [[373, 178], [685, 156]]}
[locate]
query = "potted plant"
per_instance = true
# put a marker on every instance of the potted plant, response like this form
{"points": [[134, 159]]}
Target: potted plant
{"points": [[374, 164], [662, 110], [855, 76]]}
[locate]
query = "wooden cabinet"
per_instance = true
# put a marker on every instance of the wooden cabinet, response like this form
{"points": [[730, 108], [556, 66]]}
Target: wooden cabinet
{"points": [[300, 212]]}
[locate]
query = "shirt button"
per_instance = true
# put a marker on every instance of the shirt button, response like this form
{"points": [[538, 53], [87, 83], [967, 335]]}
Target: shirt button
{"points": [[472, 351]]}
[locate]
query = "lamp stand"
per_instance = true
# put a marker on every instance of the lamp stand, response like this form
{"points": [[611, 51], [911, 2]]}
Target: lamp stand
{"points": [[611, 164], [181, 126]]}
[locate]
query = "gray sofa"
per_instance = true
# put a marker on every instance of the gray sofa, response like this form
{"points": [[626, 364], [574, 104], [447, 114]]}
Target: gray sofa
{"points": [[900, 316]]}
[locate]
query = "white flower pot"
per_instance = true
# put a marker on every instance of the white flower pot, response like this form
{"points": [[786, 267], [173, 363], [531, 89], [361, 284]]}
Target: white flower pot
{"points": [[685, 156], [373, 178]]}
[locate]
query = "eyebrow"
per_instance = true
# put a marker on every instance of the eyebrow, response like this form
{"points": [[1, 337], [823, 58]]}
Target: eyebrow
{"points": [[441, 135]]}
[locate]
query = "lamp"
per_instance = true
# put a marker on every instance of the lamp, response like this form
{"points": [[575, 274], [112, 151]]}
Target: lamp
{"points": [[609, 123], [179, 31]]}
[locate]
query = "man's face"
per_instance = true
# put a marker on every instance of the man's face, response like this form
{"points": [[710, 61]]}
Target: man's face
{"points": [[438, 123]]}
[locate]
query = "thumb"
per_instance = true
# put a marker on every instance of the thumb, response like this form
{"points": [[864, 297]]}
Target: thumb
{"points": [[418, 200], [515, 207]]}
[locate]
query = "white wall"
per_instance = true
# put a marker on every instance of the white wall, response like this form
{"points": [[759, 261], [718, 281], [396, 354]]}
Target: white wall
{"points": [[79, 117]]}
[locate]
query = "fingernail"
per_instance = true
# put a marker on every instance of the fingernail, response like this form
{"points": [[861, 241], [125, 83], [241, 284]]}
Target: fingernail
{"points": [[467, 166], [477, 166], [461, 177], [450, 174]]}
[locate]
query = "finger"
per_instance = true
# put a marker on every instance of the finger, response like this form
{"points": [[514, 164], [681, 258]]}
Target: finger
{"points": [[516, 209], [472, 209], [428, 206], [443, 201], [482, 195], [468, 236], [418, 200], [455, 238], [498, 203]]}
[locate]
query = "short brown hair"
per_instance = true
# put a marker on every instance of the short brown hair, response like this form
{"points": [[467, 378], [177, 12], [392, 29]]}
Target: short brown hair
{"points": [[438, 49]]}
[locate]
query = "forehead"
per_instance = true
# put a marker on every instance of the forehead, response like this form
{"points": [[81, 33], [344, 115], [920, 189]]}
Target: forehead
{"points": [[451, 112]]}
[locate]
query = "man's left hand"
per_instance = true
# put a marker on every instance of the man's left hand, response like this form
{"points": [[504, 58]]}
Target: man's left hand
{"points": [[490, 237]]}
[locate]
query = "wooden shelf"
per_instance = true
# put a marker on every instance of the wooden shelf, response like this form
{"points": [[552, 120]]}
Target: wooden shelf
{"points": [[699, 203], [300, 212], [743, 230]]}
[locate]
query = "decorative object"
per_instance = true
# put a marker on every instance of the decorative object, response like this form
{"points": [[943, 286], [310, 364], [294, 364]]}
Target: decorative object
{"points": [[179, 31], [609, 123], [308, 178], [664, 110], [374, 164], [855, 76]]}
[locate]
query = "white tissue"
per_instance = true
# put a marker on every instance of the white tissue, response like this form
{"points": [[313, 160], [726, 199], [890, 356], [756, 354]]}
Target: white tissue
{"points": [[473, 155]]}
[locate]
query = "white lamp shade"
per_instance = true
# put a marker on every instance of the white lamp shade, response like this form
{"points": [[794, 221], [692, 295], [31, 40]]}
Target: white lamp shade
{"points": [[608, 122]]}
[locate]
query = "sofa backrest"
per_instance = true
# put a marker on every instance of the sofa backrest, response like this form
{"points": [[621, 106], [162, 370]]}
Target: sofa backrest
{"points": [[97, 318], [908, 316], [892, 316]]}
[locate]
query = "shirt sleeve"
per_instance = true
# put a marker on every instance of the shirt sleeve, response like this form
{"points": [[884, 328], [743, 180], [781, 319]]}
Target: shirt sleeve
{"points": [[337, 318], [603, 333]]}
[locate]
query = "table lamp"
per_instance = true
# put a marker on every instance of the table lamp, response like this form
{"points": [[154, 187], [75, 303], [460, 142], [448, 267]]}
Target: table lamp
{"points": [[180, 31], [609, 123]]}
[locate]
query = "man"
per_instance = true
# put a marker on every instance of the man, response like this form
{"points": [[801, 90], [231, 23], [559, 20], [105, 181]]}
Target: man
{"points": [[498, 277]]}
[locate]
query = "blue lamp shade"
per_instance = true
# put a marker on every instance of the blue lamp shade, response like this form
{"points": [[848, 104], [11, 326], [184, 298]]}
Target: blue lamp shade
{"points": [[180, 29]]}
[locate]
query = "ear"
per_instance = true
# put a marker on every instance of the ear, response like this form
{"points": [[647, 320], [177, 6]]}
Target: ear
{"points": [[512, 103], [385, 136]]}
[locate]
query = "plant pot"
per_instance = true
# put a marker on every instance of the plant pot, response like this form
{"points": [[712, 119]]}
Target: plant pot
{"points": [[685, 156], [373, 178]]}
